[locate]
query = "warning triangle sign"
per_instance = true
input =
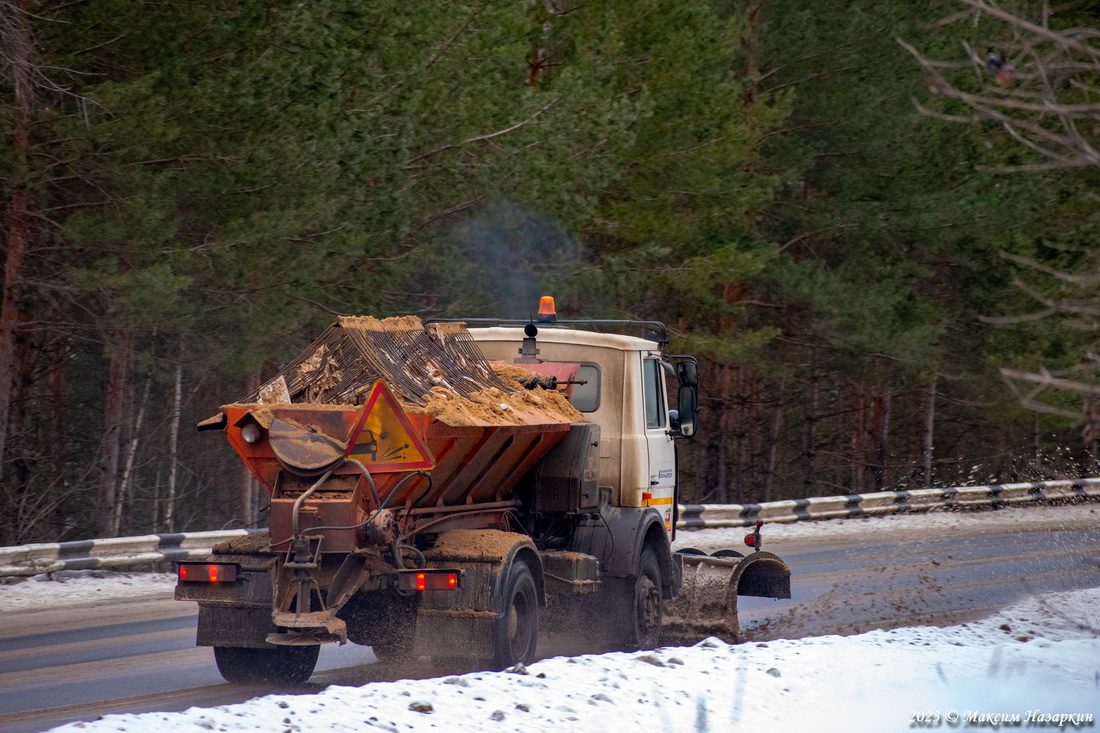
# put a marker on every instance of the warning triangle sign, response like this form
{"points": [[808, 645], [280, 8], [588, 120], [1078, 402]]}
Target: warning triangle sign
{"points": [[383, 439]]}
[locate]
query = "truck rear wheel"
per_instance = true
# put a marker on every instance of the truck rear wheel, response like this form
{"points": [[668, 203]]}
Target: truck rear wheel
{"points": [[645, 613], [282, 664], [516, 632]]}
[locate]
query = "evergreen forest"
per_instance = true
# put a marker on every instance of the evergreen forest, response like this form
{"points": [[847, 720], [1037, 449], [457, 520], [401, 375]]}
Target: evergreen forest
{"points": [[873, 222]]}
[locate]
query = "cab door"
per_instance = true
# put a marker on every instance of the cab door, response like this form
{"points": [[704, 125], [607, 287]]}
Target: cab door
{"points": [[662, 452]]}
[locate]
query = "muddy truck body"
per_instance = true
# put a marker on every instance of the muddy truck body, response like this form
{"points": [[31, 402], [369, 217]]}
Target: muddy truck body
{"points": [[453, 490]]}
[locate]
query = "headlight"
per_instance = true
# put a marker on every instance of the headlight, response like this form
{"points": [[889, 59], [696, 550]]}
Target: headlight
{"points": [[251, 433]]}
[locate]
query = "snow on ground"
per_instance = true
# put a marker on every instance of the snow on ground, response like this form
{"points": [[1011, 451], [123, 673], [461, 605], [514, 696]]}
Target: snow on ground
{"points": [[1037, 663], [82, 586]]}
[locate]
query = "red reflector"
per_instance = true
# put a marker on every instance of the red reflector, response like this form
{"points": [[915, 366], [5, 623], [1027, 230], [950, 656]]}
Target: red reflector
{"points": [[201, 572], [750, 540]]}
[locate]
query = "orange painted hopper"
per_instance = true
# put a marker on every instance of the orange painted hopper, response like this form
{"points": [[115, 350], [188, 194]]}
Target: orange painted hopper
{"points": [[474, 464], [417, 407]]}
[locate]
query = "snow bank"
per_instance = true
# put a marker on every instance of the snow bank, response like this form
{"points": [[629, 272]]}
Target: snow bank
{"points": [[1037, 662]]}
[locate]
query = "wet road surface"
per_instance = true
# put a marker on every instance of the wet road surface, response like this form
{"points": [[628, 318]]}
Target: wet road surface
{"points": [[79, 662]]}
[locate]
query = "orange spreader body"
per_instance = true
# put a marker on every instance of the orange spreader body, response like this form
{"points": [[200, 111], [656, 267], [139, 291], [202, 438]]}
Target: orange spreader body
{"points": [[472, 463]]}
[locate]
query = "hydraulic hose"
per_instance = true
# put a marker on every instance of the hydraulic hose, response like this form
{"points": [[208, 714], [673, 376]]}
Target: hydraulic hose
{"points": [[374, 494], [302, 498]]}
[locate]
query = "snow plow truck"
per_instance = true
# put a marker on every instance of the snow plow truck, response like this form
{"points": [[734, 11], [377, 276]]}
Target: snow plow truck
{"points": [[455, 489]]}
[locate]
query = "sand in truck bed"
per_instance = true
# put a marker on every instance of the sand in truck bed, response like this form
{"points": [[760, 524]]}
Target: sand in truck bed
{"points": [[496, 406], [436, 370]]}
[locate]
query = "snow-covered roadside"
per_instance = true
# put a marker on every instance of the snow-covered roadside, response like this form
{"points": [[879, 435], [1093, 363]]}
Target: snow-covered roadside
{"points": [[1037, 662], [70, 587], [924, 524]]}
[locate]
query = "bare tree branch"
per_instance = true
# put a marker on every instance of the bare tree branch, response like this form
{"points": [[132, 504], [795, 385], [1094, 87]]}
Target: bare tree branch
{"points": [[1092, 278], [1013, 320], [1087, 307], [1040, 31], [1042, 380], [477, 138], [1038, 87], [1045, 378], [948, 20]]}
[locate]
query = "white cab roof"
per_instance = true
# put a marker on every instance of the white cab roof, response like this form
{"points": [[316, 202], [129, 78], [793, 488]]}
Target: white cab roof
{"points": [[548, 333]]}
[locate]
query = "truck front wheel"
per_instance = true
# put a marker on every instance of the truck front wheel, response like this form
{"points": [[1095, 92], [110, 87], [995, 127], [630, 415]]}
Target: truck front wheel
{"points": [[645, 616], [516, 633], [281, 664]]}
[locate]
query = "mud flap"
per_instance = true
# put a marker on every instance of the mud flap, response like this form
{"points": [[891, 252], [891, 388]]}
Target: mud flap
{"points": [[454, 634], [235, 614], [460, 624], [228, 626], [707, 603]]}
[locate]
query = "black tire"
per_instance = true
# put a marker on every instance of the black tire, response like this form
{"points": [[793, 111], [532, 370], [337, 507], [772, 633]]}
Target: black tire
{"points": [[516, 633], [282, 664], [646, 612], [727, 553]]}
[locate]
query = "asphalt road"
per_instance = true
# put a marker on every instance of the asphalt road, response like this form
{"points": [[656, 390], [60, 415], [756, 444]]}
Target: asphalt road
{"points": [[79, 662]]}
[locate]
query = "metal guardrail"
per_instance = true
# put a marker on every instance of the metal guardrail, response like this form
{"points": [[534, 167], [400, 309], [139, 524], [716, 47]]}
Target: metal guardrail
{"points": [[26, 560], [111, 553], [705, 516]]}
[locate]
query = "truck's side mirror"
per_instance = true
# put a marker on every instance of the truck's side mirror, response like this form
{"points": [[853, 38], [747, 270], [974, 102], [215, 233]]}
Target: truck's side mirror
{"points": [[688, 373], [688, 412]]}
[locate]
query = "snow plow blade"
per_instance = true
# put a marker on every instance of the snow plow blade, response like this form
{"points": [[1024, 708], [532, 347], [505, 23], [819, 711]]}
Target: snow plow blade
{"points": [[707, 604]]}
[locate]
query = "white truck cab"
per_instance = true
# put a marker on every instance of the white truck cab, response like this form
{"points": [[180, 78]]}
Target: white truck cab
{"points": [[621, 387]]}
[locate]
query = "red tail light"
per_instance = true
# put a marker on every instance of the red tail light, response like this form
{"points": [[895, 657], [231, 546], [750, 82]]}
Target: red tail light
{"points": [[753, 540], [429, 579], [203, 572]]}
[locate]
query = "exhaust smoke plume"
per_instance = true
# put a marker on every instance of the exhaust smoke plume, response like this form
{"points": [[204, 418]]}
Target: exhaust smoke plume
{"points": [[521, 255]]}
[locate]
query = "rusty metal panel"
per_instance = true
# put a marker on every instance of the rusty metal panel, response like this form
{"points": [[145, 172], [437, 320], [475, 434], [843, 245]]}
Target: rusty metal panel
{"points": [[452, 449], [493, 466], [484, 459], [519, 452], [514, 459], [530, 457], [316, 513]]}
